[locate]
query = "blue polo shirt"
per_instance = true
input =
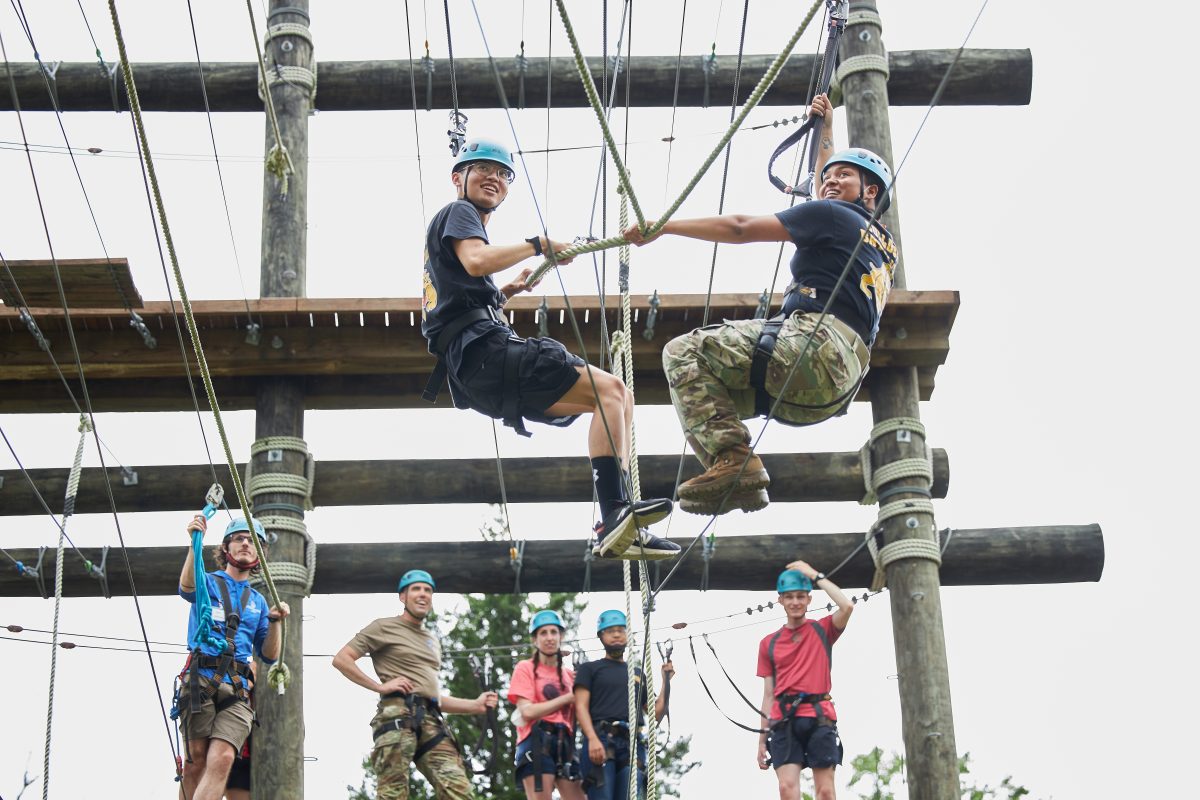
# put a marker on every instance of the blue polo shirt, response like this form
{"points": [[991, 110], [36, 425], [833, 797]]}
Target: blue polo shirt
{"points": [[251, 633]]}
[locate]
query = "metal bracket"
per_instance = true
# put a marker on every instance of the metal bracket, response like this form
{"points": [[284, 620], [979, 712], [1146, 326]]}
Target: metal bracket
{"points": [[32, 325], [35, 573], [457, 132], [212, 500], [138, 324], [253, 334], [652, 317], [427, 66], [112, 86], [100, 573], [274, 456], [129, 477], [51, 73], [516, 557], [904, 435]]}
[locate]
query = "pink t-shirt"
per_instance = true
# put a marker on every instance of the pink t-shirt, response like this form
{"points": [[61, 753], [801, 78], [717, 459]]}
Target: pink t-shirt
{"points": [[533, 687]]}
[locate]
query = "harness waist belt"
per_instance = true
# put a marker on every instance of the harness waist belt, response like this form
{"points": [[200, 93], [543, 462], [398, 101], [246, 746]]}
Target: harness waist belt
{"points": [[221, 662], [437, 378], [413, 700]]}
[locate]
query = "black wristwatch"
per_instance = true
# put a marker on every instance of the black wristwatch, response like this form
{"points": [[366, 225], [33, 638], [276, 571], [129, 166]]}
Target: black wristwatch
{"points": [[536, 241], [820, 576]]}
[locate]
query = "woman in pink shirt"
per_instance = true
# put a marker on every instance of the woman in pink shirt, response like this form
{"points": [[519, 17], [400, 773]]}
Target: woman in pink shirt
{"points": [[541, 688]]}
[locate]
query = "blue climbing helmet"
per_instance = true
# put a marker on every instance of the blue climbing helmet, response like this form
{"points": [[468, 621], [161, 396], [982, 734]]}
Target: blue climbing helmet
{"points": [[239, 525], [415, 576], [791, 580], [544, 618], [485, 150], [867, 161], [610, 619]]}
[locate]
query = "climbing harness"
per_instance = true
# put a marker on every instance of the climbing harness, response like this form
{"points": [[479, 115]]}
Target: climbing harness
{"points": [[418, 709], [839, 10], [491, 728], [510, 409]]}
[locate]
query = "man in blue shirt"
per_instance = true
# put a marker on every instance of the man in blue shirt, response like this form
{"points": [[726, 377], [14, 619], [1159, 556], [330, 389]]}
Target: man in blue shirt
{"points": [[214, 701], [806, 364]]}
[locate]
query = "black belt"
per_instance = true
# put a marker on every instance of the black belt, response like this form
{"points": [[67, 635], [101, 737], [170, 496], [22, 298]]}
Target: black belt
{"points": [[510, 403], [788, 703]]}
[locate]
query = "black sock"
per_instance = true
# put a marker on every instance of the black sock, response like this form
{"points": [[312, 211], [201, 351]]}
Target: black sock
{"points": [[606, 473]]}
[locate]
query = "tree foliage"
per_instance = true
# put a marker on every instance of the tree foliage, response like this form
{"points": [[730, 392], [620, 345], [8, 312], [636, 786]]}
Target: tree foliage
{"points": [[877, 772]]}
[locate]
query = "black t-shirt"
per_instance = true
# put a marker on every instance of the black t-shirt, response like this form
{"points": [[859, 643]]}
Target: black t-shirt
{"points": [[608, 681], [825, 233], [448, 289]]}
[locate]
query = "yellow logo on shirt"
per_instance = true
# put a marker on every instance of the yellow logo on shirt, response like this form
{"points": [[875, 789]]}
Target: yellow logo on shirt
{"points": [[429, 296]]}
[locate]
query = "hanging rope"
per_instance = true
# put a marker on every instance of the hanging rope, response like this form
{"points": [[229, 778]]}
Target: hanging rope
{"points": [[279, 675], [279, 160], [752, 101], [68, 509]]}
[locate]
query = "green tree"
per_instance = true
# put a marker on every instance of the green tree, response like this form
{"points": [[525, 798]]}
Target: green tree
{"points": [[878, 771]]}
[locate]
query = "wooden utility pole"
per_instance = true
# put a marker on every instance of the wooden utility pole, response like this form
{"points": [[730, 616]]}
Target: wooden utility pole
{"points": [[924, 681], [278, 762]]}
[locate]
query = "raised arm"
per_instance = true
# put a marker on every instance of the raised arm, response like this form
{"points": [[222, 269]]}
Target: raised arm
{"points": [[845, 604], [480, 258], [187, 575], [821, 107]]}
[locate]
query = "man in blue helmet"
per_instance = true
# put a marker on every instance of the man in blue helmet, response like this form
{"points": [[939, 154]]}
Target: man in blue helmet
{"points": [[408, 727], [602, 710], [499, 374], [214, 701], [794, 663], [799, 366]]}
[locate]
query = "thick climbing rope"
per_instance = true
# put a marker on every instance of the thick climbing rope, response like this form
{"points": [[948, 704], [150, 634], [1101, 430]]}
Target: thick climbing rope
{"points": [[622, 360], [279, 160], [279, 675], [752, 101], [68, 509]]}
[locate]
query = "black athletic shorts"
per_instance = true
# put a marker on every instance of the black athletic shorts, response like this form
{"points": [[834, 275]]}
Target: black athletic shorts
{"points": [[239, 774], [804, 742], [544, 375]]}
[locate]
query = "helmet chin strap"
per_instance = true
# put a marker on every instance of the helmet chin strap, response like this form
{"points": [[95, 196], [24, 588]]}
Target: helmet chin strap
{"points": [[614, 649], [240, 564], [481, 208]]}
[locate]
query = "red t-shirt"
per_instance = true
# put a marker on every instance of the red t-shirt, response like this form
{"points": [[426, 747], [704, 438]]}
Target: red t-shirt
{"points": [[801, 665], [532, 687]]}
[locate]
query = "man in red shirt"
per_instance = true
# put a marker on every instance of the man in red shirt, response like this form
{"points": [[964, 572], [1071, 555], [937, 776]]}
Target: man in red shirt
{"points": [[794, 663]]}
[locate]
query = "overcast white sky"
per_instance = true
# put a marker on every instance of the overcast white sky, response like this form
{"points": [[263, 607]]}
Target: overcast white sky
{"points": [[1062, 402]]}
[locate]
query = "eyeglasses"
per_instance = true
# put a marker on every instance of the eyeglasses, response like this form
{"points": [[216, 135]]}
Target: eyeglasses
{"points": [[241, 538], [489, 168]]}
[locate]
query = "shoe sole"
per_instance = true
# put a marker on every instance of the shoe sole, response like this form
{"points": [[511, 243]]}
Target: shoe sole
{"points": [[746, 501], [636, 552], [620, 539], [748, 482]]}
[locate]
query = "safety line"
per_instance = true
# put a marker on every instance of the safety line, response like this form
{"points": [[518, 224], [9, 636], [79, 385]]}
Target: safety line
{"points": [[279, 675], [412, 83]]}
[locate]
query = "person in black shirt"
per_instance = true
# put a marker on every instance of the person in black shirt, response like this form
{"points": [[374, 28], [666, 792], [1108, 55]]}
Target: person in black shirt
{"points": [[495, 372], [602, 712], [805, 367]]}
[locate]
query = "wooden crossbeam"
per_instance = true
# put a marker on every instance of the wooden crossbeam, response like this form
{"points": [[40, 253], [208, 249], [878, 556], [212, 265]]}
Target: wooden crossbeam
{"points": [[369, 353], [993, 556], [981, 77], [87, 283], [795, 477]]}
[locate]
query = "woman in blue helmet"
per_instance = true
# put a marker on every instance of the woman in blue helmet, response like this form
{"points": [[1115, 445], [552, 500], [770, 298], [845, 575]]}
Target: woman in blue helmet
{"points": [[541, 688], [214, 699], [803, 367], [499, 374], [602, 708]]}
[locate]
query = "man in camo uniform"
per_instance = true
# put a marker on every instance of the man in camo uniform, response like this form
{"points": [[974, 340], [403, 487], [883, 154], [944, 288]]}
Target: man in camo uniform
{"points": [[806, 364], [408, 727]]}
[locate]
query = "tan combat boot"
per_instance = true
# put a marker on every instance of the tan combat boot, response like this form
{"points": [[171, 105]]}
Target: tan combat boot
{"points": [[748, 500], [727, 473]]}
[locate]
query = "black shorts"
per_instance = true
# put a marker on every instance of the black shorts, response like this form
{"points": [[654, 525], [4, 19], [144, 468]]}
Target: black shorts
{"points": [[804, 742], [545, 373], [239, 774]]}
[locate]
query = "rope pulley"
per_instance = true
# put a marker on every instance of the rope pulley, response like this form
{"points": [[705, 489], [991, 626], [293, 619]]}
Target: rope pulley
{"points": [[457, 132], [839, 11]]}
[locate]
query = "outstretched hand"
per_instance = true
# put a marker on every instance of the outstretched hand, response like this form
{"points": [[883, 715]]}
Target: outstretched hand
{"points": [[518, 284], [634, 235], [198, 523]]}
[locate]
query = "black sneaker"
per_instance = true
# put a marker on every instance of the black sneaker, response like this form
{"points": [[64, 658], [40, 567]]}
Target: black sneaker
{"points": [[648, 512], [644, 546], [616, 531]]}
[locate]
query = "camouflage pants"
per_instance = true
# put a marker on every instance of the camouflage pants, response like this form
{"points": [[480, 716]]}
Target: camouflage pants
{"points": [[708, 371], [442, 766]]}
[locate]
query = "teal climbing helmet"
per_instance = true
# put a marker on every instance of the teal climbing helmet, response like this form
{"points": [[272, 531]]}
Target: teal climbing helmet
{"points": [[415, 576], [866, 160], [544, 618], [239, 525], [486, 150], [791, 580], [610, 619]]}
